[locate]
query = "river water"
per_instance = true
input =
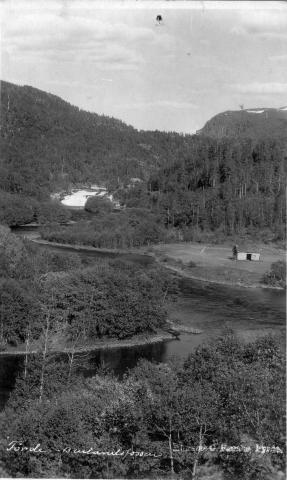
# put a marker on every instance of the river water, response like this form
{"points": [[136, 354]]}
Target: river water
{"points": [[211, 308]]}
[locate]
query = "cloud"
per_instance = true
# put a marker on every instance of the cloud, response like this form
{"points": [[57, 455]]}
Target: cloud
{"points": [[49, 24], [49, 35], [263, 22], [259, 88], [278, 58]]}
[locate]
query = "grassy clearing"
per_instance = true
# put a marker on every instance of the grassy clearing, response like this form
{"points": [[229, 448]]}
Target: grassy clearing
{"points": [[215, 263]]}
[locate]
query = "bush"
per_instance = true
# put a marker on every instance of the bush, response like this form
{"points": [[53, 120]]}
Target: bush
{"points": [[19, 309], [17, 209], [130, 228], [49, 212], [109, 300], [277, 275], [98, 205]]}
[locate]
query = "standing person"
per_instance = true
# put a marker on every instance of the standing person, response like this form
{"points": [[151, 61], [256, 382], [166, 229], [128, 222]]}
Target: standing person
{"points": [[235, 252]]}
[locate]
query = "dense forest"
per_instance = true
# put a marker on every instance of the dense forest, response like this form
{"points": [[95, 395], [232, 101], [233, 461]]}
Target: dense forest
{"points": [[210, 416], [131, 227], [248, 123], [230, 186], [59, 295], [218, 415], [223, 180], [49, 144]]}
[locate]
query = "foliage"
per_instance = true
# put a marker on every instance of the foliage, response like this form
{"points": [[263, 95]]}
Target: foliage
{"points": [[132, 227], [106, 300], [271, 123], [98, 205], [21, 259], [22, 265], [19, 311], [277, 275], [225, 186], [226, 393], [109, 298], [196, 183], [18, 209]]}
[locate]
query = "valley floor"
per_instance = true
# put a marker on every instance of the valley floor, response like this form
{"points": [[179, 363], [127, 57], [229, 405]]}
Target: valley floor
{"points": [[215, 264], [209, 263]]}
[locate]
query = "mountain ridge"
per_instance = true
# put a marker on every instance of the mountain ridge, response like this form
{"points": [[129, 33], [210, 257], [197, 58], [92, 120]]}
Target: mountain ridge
{"points": [[257, 123], [193, 182]]}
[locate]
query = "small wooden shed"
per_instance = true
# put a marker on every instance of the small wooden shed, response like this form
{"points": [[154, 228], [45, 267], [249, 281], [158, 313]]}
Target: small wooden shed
{"points": [[241, 256], [248, 256]]}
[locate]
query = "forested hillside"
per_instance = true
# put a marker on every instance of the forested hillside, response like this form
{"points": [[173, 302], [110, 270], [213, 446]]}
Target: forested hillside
{"points": [[48, 143], [227, 185], [230, 178], [217, 416], [257, 123]]}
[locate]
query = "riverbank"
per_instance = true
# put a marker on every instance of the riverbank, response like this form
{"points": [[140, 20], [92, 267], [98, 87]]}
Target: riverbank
{"points": [[105, 344], [41, 225], [214, 264], [205, 263], [34, 237]]}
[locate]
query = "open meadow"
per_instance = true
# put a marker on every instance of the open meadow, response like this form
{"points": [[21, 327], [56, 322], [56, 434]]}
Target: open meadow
{"points": [[216, 264]]}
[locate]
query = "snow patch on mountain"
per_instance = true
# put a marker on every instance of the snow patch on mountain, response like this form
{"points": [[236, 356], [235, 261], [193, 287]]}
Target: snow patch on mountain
{"points": [[255, 111]]}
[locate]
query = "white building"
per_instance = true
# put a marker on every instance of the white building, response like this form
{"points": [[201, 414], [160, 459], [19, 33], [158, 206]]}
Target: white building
{"points": [[248, 256]]}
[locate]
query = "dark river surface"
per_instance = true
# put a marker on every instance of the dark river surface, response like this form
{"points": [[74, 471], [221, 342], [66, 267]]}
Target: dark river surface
{"points": [[209, 307]]}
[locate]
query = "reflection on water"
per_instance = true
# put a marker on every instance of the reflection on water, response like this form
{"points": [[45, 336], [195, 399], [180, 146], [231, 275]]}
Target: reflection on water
{"points": [[208, 307], [211, 308]]}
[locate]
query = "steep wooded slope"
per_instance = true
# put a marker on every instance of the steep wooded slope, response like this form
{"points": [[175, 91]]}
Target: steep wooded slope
{"points": [[47, 143], [257, 123]]}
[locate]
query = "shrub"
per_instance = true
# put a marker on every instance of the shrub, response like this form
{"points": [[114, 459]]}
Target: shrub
{"points": [[98, 205], [277, 275]]}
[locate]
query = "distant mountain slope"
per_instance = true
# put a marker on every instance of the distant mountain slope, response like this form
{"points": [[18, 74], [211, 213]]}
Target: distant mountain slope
{"points": [[46, 143], [256, 123], [230, 176]]}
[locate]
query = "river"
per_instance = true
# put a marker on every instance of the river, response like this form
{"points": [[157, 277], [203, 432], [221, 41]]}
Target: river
{"points": [[209, 307]]}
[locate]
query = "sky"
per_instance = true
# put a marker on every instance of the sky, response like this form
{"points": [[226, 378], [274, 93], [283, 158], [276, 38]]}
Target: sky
{"points": [[113, 58]]}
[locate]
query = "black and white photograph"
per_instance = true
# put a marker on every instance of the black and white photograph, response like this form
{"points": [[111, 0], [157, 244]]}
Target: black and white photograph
{"points": [[143, 162]]}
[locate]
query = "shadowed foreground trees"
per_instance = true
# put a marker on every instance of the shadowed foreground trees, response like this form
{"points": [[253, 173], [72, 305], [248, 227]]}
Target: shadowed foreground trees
{"points": [[185, 415]]}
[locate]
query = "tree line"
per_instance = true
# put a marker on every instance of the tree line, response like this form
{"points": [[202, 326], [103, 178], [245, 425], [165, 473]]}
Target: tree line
{"points": [[194, 182], [105, 299], [131, 227], [187, 415], [16, 209], [229, 186]]}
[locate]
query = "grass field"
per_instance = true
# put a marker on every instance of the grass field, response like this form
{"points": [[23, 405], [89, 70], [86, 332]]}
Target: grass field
{"points": [[215, 263]]}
